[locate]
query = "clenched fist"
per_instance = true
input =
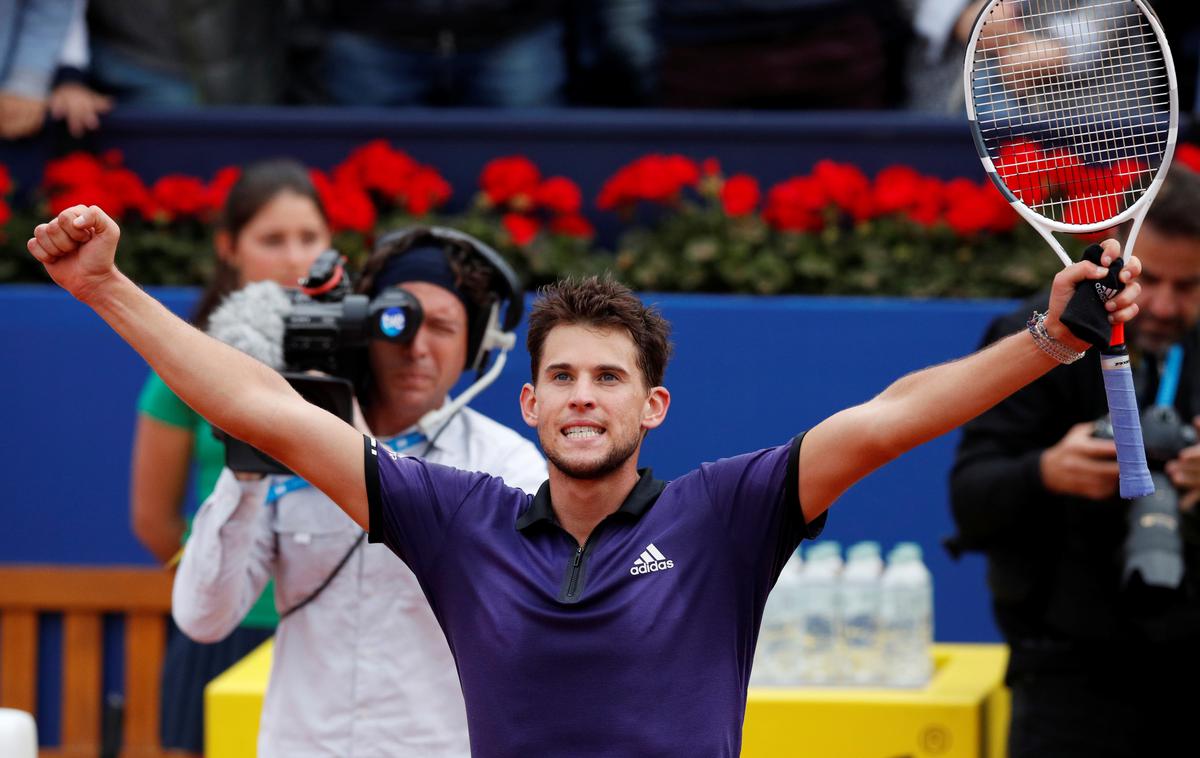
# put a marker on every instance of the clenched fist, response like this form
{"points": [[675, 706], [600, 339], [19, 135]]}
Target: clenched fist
{"points": [[78, 249]]}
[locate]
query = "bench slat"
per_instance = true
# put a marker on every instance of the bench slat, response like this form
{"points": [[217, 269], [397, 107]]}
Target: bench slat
{"points": [[18, 659], [145, 642], [83, 649]]}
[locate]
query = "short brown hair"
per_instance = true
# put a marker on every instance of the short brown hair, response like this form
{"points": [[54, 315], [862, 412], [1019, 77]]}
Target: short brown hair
{"points": [[601, 302], [1173, 212]]}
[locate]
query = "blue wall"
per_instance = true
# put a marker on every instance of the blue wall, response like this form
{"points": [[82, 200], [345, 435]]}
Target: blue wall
{"points": [[747, 373]]}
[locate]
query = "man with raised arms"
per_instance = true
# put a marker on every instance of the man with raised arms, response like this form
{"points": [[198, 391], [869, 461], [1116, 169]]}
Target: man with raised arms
{"points": [[564, 646]]}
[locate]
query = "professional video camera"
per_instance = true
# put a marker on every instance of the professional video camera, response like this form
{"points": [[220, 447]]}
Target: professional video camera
{"points": [[1153, 549], [325, 331], [317, 336]]}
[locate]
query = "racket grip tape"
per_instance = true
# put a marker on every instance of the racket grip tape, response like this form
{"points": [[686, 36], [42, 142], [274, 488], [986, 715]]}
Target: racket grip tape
{"points": [[1135, 478]]}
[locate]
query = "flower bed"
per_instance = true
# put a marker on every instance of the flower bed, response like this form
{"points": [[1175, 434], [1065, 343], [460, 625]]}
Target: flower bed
{"points": [[684, 224]]}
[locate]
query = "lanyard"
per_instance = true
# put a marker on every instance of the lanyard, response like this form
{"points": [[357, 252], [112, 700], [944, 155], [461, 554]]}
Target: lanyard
{"points": [[398, 444], [1168, 384]]}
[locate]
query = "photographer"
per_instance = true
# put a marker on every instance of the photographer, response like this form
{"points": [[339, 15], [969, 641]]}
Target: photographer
{"points": [[360, 665], [1096, 596]]}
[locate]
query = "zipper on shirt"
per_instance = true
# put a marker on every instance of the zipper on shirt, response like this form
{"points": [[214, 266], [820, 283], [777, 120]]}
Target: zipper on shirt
{"points": [[571, 584]]}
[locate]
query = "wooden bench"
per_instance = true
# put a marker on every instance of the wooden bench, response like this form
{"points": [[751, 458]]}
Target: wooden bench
{"points": [[83, 594]]}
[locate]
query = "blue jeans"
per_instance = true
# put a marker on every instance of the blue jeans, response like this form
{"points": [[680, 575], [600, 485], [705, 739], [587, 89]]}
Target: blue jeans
{"points": [[527, 70], [133, 83]]}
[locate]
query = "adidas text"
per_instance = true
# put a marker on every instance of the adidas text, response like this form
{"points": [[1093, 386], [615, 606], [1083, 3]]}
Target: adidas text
{"points": [[646, 568], [651, 560]]}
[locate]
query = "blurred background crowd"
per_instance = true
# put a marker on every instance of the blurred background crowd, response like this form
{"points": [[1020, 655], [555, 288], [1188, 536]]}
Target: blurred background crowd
{"points": [[74, 60]]}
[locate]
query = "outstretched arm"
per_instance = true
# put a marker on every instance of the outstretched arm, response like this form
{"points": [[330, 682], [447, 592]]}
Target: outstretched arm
{"points": [[233, 391], [928, 403]]}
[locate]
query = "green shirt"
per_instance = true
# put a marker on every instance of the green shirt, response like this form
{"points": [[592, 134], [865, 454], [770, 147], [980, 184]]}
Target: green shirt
{"points": [[208, 453]]}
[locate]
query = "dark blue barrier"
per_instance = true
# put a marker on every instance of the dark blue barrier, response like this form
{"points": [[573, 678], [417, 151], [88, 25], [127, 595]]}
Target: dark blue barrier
{"points": [[583, 144], [747, 373]]}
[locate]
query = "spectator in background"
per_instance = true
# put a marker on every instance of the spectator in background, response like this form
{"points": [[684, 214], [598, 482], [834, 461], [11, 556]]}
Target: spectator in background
{"points": [[942, 28], [272, 227], [500, 53], [32, 33], [934, 70], [811, 54], [72, 100], [612, 53], [1097, 659], [360, 665], [174, 53]]}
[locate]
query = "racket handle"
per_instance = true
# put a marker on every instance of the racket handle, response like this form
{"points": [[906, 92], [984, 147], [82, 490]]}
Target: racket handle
{"points": [[1126, 424]]}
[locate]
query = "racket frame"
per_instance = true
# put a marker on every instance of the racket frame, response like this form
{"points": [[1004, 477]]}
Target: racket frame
{"points": [[1044, 225]]}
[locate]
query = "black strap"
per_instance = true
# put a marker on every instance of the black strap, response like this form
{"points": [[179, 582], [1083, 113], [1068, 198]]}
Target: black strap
{"points": [[332, 574], [372, 485]]}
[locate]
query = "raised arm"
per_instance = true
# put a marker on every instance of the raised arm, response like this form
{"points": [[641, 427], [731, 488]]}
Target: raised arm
{"points": [[233, 391], [928, 403]]}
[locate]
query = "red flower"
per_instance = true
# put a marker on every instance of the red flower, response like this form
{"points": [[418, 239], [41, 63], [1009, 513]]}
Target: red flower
{"points": [[505, 179], [1087, 209], [81, 194], [896, 189], [846, 186], [710, 167], [521, 228], [740, 195], [127, 192], [218, 188], [795, 205], [112, 158], [426, 190], [379, 167], [5, 181], [681, 171], [347, 205], [5, 213], [178, 195], [1188, 155], [558, 194], [976, 208], [928, 203], [653, 178], [573, 226], [73, 170]]}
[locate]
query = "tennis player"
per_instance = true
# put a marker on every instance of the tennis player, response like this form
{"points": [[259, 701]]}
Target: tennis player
{"points": [[610, 613]]}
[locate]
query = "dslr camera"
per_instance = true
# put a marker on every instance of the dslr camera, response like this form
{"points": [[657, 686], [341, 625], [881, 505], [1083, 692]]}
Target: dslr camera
{"points": [[1153, 548], [325, 337]]}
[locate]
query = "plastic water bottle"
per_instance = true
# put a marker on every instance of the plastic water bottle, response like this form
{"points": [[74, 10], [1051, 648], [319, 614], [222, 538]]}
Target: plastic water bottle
{"points": [[861, 605], [775, 660], [819, 614], [907, 618]]}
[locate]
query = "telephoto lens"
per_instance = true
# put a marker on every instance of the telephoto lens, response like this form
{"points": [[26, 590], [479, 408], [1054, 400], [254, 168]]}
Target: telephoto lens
{"points": [[1153, 549]]}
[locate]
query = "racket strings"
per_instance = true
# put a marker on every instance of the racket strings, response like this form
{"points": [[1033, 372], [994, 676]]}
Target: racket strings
{"points": [[1073, 104]]}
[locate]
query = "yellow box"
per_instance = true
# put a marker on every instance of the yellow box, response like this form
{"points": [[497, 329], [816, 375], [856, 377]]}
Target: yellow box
{"points": [[233, 705], [962, 713]]}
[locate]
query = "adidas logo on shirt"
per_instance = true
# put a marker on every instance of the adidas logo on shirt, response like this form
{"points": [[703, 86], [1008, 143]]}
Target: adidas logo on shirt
{"points": [[650, 560]]}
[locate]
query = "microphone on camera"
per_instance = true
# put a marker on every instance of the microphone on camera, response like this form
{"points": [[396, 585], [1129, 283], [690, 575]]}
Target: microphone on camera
{"points": [[252, 320]]}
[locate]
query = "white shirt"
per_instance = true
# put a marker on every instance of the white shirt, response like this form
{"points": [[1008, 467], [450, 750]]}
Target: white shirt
{"points": [[362, 670]]}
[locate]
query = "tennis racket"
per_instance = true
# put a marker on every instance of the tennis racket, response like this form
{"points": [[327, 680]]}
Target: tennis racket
{"points": [[1073, 108]]}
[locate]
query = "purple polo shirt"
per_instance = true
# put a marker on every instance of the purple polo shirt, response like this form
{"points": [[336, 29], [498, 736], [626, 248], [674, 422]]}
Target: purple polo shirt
{"points": [[638, 643]]}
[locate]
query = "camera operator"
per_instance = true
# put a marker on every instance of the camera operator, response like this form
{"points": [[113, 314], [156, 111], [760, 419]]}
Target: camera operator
{"points": [[1103, 629], [360, 664]]}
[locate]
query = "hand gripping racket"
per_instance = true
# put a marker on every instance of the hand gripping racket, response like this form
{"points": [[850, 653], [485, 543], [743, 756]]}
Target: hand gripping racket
{"points": [[1074, 112]]}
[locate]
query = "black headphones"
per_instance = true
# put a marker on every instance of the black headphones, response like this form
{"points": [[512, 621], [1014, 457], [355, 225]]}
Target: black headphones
{"points": [[486, 331]]}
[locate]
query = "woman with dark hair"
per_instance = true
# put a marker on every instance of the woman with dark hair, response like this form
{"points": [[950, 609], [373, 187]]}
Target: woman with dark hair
{"points": [[272, 227]]}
